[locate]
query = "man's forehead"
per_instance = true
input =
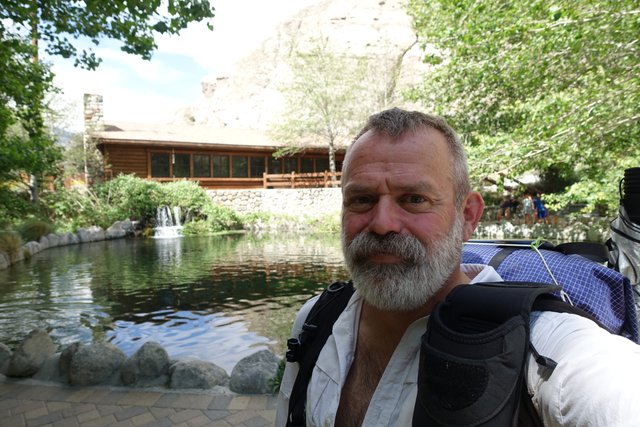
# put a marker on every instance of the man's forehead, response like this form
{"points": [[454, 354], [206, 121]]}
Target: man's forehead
{"points": [[422, 136], [426, 144], [410, 185]]}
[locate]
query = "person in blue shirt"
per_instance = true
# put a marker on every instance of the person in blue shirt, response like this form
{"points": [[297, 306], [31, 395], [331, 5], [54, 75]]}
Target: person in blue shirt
{"points": [[541, 211]]}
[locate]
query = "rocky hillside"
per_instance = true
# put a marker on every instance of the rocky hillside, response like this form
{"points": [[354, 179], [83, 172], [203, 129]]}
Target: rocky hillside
{"points": [[250, 97]]}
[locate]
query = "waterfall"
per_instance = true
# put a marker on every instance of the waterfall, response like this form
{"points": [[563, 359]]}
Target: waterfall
{"points": [[168, 222]]}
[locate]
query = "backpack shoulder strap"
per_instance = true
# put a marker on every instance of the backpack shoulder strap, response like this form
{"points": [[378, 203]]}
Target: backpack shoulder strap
{"points": [[306, 348], [473, 355]]}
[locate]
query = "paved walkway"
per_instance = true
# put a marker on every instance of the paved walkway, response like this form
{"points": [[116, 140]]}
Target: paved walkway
{"points": [[32, 404]]}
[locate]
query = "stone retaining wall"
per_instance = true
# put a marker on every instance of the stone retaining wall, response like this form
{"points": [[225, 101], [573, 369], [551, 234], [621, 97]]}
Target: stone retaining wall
{"points": [[310, 202], [118, 230]]}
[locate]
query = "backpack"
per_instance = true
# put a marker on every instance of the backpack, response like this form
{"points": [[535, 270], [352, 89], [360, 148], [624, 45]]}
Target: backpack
{"points": [[583, 281], [473, 355], [576, 267]]}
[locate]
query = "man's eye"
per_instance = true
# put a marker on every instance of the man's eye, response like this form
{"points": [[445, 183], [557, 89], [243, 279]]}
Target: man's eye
{"points": [[360, 203], [415, 199], [416, 203]]}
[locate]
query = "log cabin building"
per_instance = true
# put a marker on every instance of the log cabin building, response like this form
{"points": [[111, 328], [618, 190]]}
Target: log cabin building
{"points": [[218, 158]]}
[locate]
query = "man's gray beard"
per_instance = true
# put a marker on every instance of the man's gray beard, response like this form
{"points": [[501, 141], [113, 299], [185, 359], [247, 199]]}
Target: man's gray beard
{"points": [[406, 285]]}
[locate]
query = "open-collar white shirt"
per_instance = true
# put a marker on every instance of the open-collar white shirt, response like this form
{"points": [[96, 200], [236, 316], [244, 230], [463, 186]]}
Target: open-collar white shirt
{"points": [[594, 368]]}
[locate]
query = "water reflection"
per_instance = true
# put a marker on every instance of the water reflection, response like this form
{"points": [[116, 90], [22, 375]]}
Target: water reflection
{"points": [[217, 299]]}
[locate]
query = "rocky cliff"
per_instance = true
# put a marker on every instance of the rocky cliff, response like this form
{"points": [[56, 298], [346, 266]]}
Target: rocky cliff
{"points": [[250, 96]]}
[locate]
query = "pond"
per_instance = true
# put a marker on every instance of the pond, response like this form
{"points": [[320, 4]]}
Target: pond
{"points": [[215, 298]]}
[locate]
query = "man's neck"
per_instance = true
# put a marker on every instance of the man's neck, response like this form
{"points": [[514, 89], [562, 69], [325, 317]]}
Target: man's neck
{"points": [[399, 321]]}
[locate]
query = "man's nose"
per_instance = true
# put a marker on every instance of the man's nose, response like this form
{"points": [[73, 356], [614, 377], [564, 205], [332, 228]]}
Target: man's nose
{"points": [[385, 218]]}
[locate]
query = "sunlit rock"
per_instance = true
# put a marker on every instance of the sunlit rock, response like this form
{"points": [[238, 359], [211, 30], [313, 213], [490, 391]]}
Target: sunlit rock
{"points": [[197, 374], [252, 374], [31, 354], [96, 364]]}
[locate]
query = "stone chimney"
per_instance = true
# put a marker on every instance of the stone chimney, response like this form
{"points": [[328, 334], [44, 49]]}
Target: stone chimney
{"points": [[93, 113], [93, 122]]}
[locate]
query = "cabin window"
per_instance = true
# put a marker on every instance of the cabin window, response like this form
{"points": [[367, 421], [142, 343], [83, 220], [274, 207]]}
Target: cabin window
{"points": [[290, 164], [239, 166], [306, 165], [201, 166], [181, 165], [275, 166], [221, 166], [160, 166], [257, 166], [322, 164]]}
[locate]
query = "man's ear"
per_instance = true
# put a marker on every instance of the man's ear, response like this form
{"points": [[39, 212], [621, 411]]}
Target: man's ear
{"points": [[472, 209]]}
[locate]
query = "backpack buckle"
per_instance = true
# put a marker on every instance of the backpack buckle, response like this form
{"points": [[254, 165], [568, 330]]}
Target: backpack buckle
{"points": [[294, 345]]}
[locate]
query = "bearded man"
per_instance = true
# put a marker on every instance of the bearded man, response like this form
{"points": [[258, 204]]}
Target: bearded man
{"points": [[407, 210]]}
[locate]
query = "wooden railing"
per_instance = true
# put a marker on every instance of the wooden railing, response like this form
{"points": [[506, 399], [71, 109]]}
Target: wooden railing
{"points": [[302, 180]]}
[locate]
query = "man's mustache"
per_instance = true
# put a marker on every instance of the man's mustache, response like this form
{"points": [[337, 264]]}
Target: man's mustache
{"points": [[406, 247]]}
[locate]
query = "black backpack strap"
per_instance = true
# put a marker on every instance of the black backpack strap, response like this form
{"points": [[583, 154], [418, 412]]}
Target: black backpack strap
{"points": [[473, 355], [306, 348], [596, 252]]}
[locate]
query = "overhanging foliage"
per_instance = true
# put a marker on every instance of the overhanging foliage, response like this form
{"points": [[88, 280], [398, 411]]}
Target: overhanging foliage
{"points": [[535, 85]]}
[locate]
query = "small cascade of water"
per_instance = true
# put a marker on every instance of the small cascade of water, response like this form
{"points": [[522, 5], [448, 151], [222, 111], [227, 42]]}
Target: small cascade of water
{"points": [[168, 223]]}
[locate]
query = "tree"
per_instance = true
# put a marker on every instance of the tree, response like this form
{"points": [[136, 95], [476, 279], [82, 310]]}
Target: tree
{"points": [[538, 86], [25, 145], [134, 23], [330, 95]]}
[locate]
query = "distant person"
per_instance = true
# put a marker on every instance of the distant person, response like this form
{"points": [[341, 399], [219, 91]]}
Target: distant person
{"points": [[505, 209], [541, 211], [527, 209]]}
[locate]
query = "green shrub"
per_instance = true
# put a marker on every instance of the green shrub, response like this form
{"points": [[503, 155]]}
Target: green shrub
{"points": [[276, 381], [197, 228], [217, 218], [128, 196], [71, 209], [34, 229], [14, 205], [11, 243], [222, 218], [192, 198]]}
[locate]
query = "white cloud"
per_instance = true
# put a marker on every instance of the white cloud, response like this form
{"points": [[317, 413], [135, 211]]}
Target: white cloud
{"points": [[151, 91]]}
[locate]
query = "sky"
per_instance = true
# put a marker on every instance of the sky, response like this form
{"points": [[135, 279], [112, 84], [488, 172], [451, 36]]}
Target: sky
{"points": [[136, 90]]}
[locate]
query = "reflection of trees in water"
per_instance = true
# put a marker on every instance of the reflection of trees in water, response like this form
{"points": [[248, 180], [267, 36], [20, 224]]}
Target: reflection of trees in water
{"points": [[84, 289]]}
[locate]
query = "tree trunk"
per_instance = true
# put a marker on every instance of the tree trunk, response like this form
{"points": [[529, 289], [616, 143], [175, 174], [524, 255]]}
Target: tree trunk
{"points": [[332, 163], [33, 180]]}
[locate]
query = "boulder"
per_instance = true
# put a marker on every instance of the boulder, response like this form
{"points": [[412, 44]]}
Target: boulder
{"points": [[73, 239], [128, 226], [5, 357], [148, 367], [5, 261], [96, 364], [197, 374], [33, 247], [116, 231], [67, 355], [31, 354], [252, 374], [91, 234], [44, 242], [50, 370], [54, 240]]}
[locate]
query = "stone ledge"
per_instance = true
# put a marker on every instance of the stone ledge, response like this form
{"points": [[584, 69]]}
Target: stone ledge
{"points": [[102, 364]]}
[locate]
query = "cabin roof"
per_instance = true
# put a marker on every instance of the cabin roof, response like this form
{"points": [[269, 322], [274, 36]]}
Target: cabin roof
{"points": [[165, 134]]}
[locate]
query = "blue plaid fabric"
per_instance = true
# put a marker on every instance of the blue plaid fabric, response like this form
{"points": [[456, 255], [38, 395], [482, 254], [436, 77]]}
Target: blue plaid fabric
{"points": [[604, 293]]}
